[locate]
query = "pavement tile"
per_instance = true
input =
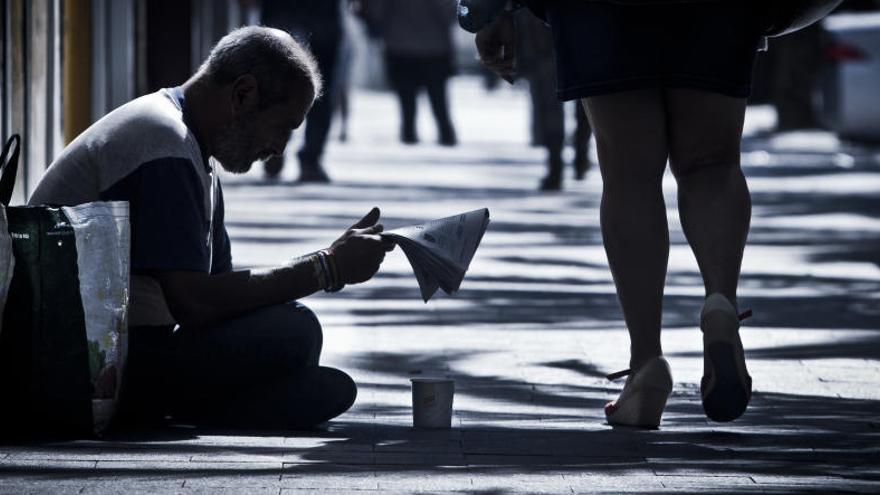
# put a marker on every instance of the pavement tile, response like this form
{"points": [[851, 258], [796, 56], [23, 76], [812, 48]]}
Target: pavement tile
{"points": [[829, 483], [16, 486], [237, 456], [196, 474], [330, 456], [324, 491], [612, 482], [702, 481], [11, 464], [144, 455], [867, 471], [568, 424], [597, 464], [430, 485], [266, 440], [418, 434], [150, 475], [495, 460], [425, 458], [336, 445], [489, 423], [509, 486], [55, 455], [335, 476], [425, 479], [415, 445], [208, 490], [189, 466], [520, 480], [133, 485], [244, 481], [594, 444], [66, 482], [508, 446]]}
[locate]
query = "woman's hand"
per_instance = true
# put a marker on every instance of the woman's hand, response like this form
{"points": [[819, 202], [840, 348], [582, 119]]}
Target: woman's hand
{"points": [[496, 44]]}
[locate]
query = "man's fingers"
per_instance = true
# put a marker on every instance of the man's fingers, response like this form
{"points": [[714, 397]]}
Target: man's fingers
{"points": [[371, 237], [369, 219], [374, 229], [371, 231]]}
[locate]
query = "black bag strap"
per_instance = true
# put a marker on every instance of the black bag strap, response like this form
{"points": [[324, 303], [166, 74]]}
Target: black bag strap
{"points": [[9, 168]]}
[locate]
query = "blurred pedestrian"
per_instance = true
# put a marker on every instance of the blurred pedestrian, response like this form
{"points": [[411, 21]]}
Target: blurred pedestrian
{"points": [[318, 24], [798, 62], [344, 66], [581, 141], [536, 64], [660, 80], [418, 54], [343, 101]]}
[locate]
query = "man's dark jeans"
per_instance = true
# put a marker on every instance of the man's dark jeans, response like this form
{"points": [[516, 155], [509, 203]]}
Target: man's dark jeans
{"points": [[258, 371]]}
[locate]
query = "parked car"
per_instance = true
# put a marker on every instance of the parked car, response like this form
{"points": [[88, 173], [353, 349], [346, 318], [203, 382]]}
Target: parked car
{"points": [[851, 86]]}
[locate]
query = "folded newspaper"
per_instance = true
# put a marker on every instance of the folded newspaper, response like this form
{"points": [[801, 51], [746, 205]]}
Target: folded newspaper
{"points": [[440, 251]]}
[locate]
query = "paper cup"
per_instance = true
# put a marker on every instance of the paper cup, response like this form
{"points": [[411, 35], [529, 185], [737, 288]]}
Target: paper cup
{"points": [[432, 402]]}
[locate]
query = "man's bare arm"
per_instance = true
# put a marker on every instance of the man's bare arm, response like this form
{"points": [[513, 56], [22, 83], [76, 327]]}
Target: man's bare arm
{"points": [[198, 300]]}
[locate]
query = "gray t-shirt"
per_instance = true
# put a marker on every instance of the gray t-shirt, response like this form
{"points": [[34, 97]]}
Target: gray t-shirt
{"points": [[144, 153]]}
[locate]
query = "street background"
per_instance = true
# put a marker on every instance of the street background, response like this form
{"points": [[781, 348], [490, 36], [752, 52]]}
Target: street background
{"points": [[536, 326]]}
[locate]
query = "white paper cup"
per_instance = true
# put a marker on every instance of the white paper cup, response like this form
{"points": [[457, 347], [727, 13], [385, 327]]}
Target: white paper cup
{"points": [[432, 402]]}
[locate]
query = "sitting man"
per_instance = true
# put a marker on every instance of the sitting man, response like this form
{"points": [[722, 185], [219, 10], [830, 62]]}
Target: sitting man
{"points": [[210, 345]]}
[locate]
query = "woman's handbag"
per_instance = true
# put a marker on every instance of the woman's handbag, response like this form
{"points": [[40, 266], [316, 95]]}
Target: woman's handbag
{"points": [[783, 16], [64, 278], [474, 15], [788, 16]]}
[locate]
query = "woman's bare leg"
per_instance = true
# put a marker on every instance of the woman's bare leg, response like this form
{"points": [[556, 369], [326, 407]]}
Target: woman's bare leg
{"points": [[630, 130], [705, 130]]}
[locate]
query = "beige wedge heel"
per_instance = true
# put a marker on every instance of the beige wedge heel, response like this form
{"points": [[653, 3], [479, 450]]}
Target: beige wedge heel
{"points": [[726, 387], [644, 396]]}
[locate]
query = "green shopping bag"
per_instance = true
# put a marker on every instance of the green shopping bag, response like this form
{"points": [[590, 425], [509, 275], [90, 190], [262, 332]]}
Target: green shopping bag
{"points": [[55, 380]]}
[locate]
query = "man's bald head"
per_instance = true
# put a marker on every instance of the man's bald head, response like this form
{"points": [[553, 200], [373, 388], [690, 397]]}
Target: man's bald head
{"points": [[281, 65]]}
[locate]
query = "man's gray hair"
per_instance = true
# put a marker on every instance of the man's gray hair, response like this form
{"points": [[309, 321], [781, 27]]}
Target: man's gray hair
{"points": [[280, 64]]}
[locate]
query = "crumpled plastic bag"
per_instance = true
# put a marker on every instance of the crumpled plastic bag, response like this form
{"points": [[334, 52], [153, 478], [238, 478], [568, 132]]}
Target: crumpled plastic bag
{"points": [[103, 245]]}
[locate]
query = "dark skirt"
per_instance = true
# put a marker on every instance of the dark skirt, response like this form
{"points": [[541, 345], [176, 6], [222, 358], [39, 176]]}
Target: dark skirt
{"points": [[604, 47]]}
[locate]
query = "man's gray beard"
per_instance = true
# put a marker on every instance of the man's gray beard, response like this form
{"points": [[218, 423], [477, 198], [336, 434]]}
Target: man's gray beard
{"points": [[234, 147]]}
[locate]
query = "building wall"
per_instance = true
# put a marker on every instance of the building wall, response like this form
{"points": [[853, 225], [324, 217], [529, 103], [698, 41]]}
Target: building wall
{"points": [[113, 64], [31, 85]]}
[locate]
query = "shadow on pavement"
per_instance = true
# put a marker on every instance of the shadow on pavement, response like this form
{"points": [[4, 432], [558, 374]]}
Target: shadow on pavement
{"points": [[790, 434]]}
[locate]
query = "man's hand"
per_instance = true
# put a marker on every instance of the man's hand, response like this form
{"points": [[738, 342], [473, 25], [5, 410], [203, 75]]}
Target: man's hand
{"points": [[201, 300], [496, 44], [360, 250]]}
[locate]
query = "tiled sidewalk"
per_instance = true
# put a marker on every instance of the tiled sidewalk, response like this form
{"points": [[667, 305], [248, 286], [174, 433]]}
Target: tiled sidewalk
{"points": [[532, 332]]}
